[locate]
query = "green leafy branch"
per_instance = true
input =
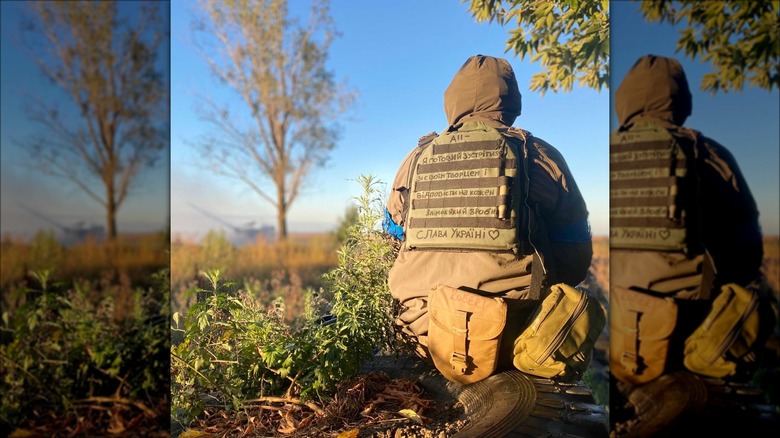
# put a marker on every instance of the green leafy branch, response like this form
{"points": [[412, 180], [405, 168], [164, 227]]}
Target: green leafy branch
{"points": [[240, 353], [739, 39], [569, 37]]}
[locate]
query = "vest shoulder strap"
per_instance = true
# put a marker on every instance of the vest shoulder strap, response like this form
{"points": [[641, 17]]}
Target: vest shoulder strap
{"points": [[427, 138], [520, 134]]}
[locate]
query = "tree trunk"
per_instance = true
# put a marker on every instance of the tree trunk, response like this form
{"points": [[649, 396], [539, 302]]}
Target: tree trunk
{"points": [[281, 222], [281, 213], [111, 214]]}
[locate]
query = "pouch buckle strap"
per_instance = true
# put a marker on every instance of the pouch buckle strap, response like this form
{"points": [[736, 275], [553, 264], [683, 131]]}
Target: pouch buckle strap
{"points": [[460, 331], [630, 354]]}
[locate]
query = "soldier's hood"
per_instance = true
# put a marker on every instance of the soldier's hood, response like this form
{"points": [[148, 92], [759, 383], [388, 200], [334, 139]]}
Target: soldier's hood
{"points": [[484, 88], [655, 88]]}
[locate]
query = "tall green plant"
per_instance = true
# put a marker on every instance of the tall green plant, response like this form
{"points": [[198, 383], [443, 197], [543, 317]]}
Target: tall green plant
{"points": [[65, 351], [245, 353]]}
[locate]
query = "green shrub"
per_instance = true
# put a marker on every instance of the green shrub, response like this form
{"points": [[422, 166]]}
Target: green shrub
{"points": [[236, 352], [64, 349]]}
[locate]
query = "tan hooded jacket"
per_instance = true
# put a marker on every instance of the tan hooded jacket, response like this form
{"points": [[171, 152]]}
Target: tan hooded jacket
{"points": [[655, 90], [485, 89]]}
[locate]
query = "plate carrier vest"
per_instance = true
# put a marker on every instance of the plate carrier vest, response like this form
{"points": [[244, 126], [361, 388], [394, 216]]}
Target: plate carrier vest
{"points": [[468, 191], [653, 192], [462, 192], [648, 174]]}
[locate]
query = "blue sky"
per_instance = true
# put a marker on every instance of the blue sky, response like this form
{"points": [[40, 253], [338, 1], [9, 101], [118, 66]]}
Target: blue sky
{"points": [[746, 122], [400, 56], [146, 208]]}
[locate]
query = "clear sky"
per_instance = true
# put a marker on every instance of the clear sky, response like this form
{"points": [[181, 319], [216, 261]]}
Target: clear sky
{"points": [[146, 208], [747, 123], [400, 56]]}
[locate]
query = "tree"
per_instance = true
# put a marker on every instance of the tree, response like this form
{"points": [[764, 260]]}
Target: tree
{"points": [[291, 100], [740, 39], [117, 123], [569, 37]]}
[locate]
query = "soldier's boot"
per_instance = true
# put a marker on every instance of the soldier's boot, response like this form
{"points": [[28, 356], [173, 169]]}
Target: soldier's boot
{"points": [[659, 403]]}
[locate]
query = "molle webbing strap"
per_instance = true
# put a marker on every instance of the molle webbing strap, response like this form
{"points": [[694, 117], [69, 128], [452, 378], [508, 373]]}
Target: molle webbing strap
{"points": [[460, 332], [470, 222], [473, 165], [474, 146], [470, 183], [460, 202], [462, 194], [648, 172]]}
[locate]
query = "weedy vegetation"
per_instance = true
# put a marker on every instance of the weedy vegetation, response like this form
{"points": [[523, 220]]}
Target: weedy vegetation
{"points": [[80, 356], [134, 257], [272, 269], [235, 351]]}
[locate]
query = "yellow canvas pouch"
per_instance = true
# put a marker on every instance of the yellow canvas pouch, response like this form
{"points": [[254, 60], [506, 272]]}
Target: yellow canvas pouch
{"points": [[464, 333], [727, 334], [640, 329], [559, 339]]}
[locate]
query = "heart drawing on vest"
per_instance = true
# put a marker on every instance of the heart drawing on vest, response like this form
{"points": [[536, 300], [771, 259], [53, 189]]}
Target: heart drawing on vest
{"points": [[664, 234], [493, 234]]}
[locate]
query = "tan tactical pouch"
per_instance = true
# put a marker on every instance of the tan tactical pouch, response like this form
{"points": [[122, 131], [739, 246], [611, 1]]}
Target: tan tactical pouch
{"points": [[727, 334], [640, 329], [464, 333], [559, 339]]}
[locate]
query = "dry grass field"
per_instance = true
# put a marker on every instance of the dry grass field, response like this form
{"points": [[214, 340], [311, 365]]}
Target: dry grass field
{"points": [[267, 270], [124, 264]]}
